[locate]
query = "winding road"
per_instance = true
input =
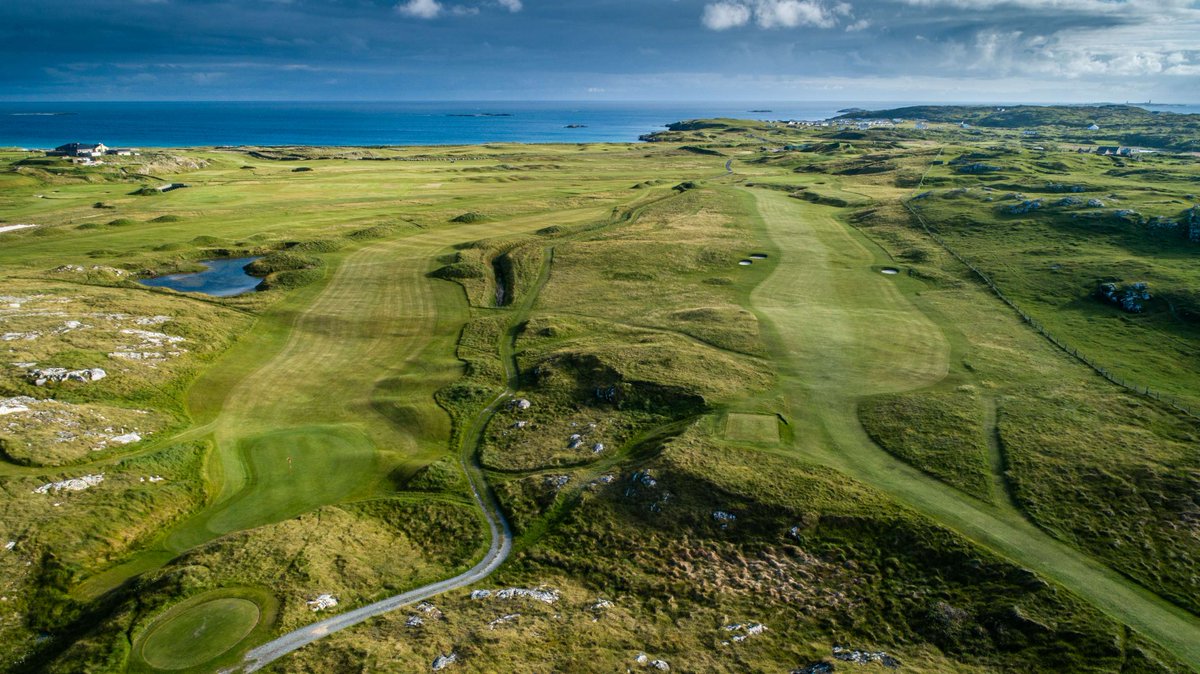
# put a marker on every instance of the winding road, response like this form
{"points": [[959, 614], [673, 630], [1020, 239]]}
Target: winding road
{"points": [[500, 547]]}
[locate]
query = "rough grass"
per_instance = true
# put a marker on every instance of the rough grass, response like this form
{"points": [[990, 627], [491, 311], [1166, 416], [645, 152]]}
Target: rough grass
{"points": [[940, 433], [1115, 475], [1051, 260], [675, 578]]}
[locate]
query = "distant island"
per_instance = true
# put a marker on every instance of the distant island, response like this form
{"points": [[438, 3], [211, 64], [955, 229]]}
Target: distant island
{"points": [[575, 126], [762, 111], [480, 114]]}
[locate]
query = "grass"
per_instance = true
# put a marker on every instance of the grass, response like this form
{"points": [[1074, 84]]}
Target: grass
{"points": [[752, 428], [374, 326], [295, 471], [942, 433], [202, 632], [802, 558], [853, 358], [1051, 261], [897, 461]]}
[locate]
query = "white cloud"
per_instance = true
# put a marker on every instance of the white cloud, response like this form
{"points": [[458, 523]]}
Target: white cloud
{"points": [[773, 13], [1076, 5], [420, 9], [431, 9], [791, 13], [725, 15]]}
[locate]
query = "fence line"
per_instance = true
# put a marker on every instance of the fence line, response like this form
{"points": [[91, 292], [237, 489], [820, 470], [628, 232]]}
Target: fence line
{"points": [[1029, 320]]}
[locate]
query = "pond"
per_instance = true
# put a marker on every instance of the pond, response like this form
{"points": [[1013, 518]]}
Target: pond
{"points": [[225, 277]]}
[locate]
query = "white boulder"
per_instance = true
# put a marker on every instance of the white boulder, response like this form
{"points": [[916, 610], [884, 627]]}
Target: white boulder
{"points": [[73, 484], [323, 601]]}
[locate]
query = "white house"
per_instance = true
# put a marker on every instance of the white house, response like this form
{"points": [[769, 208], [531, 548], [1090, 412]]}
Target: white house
{"points": [[79, 150]]}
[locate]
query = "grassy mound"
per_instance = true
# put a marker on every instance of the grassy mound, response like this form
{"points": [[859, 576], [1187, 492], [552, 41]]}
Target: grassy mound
{"points": [[314, 246], [287, 280], [940, 433], [375, 232], [279, 262], [469, 217]]}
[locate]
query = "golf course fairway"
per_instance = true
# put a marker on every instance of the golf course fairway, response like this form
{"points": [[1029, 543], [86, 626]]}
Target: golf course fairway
{"points": [[841, 331], [301, 428]]}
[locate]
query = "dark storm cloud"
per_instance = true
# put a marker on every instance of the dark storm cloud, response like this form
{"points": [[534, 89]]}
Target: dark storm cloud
{"points": [[627, 48]]}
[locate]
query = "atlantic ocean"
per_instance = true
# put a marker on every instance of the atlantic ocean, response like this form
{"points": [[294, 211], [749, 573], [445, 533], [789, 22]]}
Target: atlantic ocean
{"points": [[190, 124]]}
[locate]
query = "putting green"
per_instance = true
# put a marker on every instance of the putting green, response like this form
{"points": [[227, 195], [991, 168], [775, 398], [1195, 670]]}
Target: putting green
{"points": [[297, 470], [759, 428], [199, 633]]}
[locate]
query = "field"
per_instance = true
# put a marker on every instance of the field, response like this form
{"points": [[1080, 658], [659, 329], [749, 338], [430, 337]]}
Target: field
{"points": [[718, 433]]}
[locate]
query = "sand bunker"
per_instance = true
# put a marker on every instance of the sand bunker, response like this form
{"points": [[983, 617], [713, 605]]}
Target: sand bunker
{"points": [[13, 228], [891, 271], [745, 263], [758, 256]]}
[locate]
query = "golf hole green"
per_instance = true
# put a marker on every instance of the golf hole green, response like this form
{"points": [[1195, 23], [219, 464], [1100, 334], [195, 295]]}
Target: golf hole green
{"points": [[199, 633]]}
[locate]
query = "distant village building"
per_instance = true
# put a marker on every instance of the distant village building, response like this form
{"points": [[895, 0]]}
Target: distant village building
{"points": [[1114, 151], [90, 150], [79, 150], [1094, 127]]}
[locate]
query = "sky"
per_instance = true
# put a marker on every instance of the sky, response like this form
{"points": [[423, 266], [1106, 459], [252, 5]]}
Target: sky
{"points": [[618, 50]]}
